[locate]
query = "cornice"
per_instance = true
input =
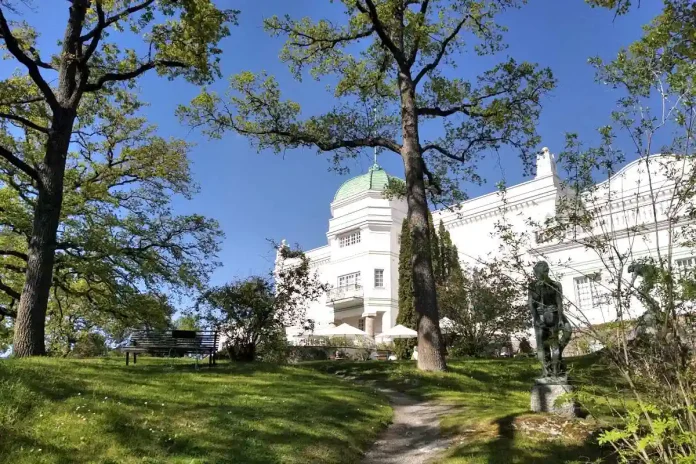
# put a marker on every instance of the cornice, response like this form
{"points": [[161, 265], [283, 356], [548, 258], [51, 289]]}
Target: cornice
{"points": [[639, 230]]}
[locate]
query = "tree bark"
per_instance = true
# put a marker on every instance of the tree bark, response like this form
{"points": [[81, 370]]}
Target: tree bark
{"points": [[29, 329], [430, 343], [31, 315]]}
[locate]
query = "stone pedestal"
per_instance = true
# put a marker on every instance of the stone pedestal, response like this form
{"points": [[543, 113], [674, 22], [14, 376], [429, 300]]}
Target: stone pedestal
{"points": [[546, 391]]}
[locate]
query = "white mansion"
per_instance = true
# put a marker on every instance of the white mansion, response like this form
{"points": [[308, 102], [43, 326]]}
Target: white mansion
{"points": [[360, 260]]}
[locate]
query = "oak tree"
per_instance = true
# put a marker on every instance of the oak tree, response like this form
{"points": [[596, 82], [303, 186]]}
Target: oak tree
{"points": [[397, 56], [121, 252], [106, 45]]}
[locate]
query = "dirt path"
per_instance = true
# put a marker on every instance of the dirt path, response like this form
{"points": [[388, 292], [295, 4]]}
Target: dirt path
{"points": [[414, 436]]}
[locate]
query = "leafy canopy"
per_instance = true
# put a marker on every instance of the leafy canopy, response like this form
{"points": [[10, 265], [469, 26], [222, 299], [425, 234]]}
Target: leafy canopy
{"points": [[120, 247], [363, 60]]}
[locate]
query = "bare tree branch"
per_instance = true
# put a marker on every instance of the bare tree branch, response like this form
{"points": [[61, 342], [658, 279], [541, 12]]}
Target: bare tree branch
{"points": [[381, 31], [443, 49], [326, 43], [112, 77], [24, 121], [416, 45], [39, 62], [98, 31], [15, 253], [20, 164], [307, 139], [14, 48], [117, 17], [444, 112], [11, 292], [23, 102]]}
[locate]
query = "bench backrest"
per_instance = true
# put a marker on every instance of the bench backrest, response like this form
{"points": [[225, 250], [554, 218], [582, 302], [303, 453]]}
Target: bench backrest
{"points": [[181, 339]]}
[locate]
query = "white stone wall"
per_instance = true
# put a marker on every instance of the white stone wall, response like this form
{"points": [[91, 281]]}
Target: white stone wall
{"points": [[626, 199]]}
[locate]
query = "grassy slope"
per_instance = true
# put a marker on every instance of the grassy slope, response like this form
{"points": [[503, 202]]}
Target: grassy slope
{"points": [[71, 411], [494, 395]]}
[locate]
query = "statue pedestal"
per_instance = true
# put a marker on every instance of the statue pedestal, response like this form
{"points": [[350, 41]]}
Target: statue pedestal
{"points": [[546, 391]]}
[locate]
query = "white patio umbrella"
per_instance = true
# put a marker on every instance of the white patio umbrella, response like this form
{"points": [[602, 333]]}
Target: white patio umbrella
{"points": [[344, 330], [399, 331]]}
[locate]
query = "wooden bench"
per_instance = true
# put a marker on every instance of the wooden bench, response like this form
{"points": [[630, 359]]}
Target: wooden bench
{"points": [[172, 342]]}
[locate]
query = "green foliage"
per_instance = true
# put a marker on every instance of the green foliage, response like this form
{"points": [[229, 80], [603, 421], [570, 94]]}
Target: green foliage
{"points": [[80, 160], [188, 322], [486, 307], [407, 314], [364, 69], [252, 314], [120, 247], [89, 345], [652, 433], [447, 271], [167, 411], [273, 347]]}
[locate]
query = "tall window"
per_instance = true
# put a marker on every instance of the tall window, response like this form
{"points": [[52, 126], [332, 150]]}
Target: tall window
{"points": [[349, 280], [361, 323], [586, 291], [379, 278], [349, 239], [685, 264]]}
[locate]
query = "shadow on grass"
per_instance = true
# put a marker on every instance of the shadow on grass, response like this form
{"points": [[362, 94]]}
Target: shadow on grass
{"points": [[253, 413], [494, 394], [507, 445]]}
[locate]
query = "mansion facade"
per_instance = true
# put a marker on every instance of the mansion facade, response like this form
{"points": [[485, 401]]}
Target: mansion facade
{"points": [[360, 259]]}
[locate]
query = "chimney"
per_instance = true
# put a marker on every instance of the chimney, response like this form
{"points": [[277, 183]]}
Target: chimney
{"points": [[545, 164]]}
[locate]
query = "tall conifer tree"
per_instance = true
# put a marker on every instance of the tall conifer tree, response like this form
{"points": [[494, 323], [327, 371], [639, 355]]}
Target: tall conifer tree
{"points": [[407, 313]]}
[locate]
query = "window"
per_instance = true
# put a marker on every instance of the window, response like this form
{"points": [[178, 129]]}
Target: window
{"points": [[586, 291], [361, 323], [379, 278], [349, 239], [685, 264], [349, 280]]}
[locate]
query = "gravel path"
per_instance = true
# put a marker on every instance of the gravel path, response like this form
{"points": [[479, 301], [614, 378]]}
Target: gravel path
{"points": [[414, 435]]}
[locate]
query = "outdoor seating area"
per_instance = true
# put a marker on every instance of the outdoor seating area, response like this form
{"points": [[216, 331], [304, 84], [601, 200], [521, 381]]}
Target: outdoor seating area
{"points": [[347, 342], [172, 343]]}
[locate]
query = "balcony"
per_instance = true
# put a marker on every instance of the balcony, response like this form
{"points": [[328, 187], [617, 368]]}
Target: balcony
{"points": [[345, 297]]}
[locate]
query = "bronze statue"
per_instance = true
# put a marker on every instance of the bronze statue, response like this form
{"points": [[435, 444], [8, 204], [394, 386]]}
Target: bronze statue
{"points": [[551, 326]]}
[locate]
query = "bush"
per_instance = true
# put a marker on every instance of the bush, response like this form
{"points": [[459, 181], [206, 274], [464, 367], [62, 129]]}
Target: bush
{"points": [[89, 345], [403, 348], [297, 354], [273, 348], [651, 433]]}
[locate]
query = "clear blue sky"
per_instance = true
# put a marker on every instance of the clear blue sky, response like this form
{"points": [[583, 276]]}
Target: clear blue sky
{"points": [[259, 196]]}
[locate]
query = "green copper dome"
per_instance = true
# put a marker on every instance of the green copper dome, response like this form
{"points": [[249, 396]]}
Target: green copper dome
{"points": [[375, 179]]}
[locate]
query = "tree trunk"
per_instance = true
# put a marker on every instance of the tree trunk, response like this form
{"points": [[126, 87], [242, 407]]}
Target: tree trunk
{"points": [[30, 323], [430, 343]]}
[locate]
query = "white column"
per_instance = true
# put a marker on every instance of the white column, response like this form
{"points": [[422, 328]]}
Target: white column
{"points": [[370, 325]]}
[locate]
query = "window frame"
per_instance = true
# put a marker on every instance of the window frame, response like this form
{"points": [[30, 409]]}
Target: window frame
{"points": [[378, 272], [591, 280], [349, 238]]}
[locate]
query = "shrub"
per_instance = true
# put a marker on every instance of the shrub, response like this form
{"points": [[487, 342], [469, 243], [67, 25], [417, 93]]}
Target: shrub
{"points": [[89, 345]]}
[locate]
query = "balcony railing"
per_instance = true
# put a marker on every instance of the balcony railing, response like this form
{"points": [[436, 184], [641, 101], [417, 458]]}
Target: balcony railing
{"points": [[346, 292]]}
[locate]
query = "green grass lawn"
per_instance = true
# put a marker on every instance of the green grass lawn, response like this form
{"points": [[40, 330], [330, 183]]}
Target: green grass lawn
{"points": [[494, 424], [100, 411]]}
